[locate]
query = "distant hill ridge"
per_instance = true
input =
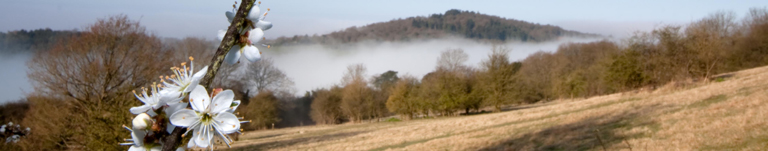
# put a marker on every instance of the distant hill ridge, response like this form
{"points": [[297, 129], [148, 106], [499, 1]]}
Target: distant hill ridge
{"points": [[21, 41], [453, 22]]}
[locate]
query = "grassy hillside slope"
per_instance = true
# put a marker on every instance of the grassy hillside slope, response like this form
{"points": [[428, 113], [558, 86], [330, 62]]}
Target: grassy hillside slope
{"points": [[730, 113]]}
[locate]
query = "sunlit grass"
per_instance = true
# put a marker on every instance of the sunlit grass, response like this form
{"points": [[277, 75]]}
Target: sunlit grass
{"points": [[725, 115]]}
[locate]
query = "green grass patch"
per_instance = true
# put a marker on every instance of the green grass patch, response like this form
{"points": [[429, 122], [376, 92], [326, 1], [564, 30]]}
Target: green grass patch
{"points": [[392, 119], [709, 101], [719, 79], [760, 142]]}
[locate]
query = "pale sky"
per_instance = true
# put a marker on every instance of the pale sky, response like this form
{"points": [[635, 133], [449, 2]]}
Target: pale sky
{"points": [[203, 18]]}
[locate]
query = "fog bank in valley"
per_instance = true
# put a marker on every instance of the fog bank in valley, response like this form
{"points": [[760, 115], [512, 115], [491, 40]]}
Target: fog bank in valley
{"points": [[317, 66], [13, 77]]}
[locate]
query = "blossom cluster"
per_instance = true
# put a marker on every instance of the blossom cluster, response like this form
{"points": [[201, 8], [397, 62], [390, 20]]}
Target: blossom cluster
{"points": [[250, 35], [13, 133], [165, 108], [210, 117]]}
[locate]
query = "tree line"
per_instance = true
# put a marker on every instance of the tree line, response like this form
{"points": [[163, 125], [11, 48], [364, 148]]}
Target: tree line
{"points": [[31, 40]]}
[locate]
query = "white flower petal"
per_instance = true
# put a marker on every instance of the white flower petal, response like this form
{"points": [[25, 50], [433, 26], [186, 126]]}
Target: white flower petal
{"points": [[233, 55], [168, 96], [253, 15], [201, 73], [184, 118], [222, 101], [136, 148], [228, 122], [195, 79], [158, 105], [151, 113], [201, 137], [174, 107], [140, 109], [169, 128], [199, 99], [138, 137], [264, 25], [251, 53], [234, 107], [230, 16], [156, 148], [191, 143], [255, 35], [221, 35]]}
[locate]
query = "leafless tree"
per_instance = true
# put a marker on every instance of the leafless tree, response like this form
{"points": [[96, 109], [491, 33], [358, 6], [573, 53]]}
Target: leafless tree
{"points": [[264, 76], [452, 60], [95, 73]]}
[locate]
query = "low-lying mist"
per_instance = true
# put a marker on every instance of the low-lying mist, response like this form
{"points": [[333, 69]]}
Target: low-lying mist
{"points": [[13, 77], [318, 66]]}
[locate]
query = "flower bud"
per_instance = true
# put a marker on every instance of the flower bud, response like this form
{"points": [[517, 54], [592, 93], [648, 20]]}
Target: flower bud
{"points": [[142, 121]]}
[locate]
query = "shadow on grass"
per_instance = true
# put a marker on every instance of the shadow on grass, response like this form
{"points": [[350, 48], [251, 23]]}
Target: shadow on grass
{"points": [[580, 135], [261, 137], [301, 140], [507, 108]]}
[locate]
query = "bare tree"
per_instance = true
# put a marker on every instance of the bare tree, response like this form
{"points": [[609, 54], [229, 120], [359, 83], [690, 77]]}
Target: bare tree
{"points": [[191, 46], [95, 73], [711, 39], [264, 76], [357, 101], [497, 80], [403, 98], [325, 108], [452, 60], [248, 78], [354, 73], [262, 111]]}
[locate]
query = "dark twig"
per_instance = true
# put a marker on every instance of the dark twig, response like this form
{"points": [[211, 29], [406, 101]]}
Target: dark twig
{"points": [[597, 133]]}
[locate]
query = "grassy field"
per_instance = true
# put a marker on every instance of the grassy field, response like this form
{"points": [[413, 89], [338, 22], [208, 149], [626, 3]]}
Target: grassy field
{"points": [[729, 113]]}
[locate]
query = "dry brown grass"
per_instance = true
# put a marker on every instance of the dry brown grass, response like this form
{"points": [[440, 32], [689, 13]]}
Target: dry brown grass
{"points": [[727, 115]]}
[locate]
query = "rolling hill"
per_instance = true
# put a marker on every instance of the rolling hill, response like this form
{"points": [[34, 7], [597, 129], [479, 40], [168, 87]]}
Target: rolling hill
{"points": [[453, 22]]}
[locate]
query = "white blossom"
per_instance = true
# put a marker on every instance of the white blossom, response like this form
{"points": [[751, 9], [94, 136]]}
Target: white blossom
{"points": [[171, 108], [152, 101], [182, 80], [137, 140], [208, 117], [254, 34]]}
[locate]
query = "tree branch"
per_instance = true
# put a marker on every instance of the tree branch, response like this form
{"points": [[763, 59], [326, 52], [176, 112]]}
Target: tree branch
{"points": [[173, 140]]}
